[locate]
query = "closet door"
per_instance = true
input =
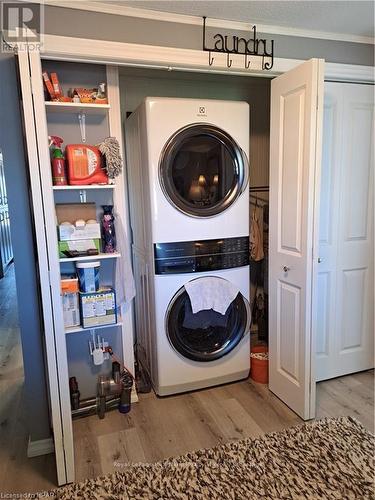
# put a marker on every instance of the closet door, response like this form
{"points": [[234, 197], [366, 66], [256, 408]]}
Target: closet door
{"points": [[33, 107], [345, 336], [296, 119]]}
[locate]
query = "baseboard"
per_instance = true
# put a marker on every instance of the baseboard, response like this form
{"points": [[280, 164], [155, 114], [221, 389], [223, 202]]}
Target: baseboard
{"points": [[40, 447]]}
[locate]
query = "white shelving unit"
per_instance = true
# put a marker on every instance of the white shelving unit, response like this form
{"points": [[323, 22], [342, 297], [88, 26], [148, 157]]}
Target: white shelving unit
{"points": [[38, 115], [83, 187], [83, 258], [76, 107], [79, 329]]}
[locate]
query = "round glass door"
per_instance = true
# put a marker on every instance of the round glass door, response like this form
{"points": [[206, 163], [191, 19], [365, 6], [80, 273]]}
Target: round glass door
{"points": [[206, 335], [202, 170]]}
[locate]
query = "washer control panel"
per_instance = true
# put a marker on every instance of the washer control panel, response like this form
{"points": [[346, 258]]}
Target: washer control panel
{"points": [[200, 256]]}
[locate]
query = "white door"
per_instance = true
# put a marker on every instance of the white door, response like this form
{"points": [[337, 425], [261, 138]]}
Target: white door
{"points": [[295, 139], [345, 333], [50, 338]]}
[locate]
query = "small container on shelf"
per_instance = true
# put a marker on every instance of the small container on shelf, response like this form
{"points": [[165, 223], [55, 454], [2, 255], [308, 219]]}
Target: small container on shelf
{"points": [[88, 276]]}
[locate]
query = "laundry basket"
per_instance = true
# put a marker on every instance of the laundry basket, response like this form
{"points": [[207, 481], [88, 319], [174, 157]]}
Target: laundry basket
{"points": [[259, 364]]}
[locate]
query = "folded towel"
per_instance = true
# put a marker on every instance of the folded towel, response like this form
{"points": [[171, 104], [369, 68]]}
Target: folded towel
{"points": [[211, 293]]}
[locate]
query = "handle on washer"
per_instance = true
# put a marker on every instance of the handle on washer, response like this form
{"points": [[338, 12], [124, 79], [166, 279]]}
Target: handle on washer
{"points": [[248, 316], [246, 165]]}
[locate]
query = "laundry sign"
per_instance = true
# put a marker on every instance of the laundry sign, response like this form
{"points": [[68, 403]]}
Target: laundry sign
{"points": [[232, 44]]}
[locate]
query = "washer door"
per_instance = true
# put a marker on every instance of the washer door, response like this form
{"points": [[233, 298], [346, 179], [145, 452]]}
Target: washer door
{"points": [[202, 170], [206, 335]]}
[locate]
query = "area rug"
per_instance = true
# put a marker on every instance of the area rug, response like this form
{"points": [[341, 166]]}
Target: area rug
{"points": [[326, 459]]}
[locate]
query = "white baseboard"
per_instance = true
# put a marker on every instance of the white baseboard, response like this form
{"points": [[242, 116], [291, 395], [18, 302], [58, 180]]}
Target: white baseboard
{"points": [[41, 447]]}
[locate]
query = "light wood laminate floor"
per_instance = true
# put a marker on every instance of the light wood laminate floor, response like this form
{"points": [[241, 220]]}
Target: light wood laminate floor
{"points": [[156, 428]]}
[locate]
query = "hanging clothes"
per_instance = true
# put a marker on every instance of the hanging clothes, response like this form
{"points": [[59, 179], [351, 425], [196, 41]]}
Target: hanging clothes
{"points": [[256, 234]]}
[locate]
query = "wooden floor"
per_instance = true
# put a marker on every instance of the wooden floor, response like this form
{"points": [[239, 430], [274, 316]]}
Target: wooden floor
{"points": [[156, 428]]}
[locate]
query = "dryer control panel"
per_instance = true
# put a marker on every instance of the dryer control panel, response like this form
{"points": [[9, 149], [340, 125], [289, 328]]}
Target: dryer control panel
{"points": [[201, 256]]}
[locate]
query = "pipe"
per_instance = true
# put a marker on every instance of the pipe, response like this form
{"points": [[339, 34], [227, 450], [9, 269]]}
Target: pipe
{"points": [[90, 407]]}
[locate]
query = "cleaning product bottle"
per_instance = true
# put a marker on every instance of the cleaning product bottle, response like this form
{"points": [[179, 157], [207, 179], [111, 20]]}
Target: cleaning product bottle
{"points": [[57, 162]]}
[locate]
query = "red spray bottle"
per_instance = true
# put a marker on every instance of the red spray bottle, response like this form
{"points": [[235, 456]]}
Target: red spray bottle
{"points": [[57, 161]]}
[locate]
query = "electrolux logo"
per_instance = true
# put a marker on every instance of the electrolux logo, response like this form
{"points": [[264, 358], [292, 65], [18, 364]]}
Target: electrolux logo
{"points": [[22, 25], [202, 111]]}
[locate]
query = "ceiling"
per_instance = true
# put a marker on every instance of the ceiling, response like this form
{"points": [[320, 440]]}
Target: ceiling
{"points": [[342, 17]]}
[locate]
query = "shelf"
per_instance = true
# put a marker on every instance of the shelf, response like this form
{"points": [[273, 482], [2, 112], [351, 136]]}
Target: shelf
{"points": [[78, 329], [100, 256], [76, 107], [82, 188]]}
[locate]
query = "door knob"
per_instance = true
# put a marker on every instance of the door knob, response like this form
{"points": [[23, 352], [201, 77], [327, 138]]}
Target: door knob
{"points": [[319, 260], [286, 269]]}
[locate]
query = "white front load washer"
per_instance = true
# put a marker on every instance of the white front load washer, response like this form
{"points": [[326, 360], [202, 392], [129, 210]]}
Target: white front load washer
{"points": [[189, 351], [188, 169]]}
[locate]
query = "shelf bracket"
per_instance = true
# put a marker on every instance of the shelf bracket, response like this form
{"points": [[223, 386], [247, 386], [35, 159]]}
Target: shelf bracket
{"points": [[82, 195], [82, 125]]}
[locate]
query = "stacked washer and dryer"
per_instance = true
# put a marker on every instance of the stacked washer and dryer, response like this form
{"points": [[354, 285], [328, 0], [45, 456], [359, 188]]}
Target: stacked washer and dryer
{"points": [[189, 203]]}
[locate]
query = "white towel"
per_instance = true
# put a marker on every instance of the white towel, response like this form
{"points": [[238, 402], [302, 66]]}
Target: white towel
{"points": [[124, 279], [211, 293]]}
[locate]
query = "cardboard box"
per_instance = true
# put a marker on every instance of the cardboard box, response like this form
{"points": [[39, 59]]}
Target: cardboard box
{"points": [[70, 300], [98, 308], [87, 232], [69, 283], [70, 212], [81, 246], [48, 84], [70, 303], [81, 239]]}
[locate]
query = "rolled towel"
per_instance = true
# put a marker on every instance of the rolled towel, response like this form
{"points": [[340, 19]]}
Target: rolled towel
{"points": [[211, 293]]}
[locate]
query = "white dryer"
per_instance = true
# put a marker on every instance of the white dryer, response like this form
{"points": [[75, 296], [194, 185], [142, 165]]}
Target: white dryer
{"points": [[187, 351], [188, 169]]}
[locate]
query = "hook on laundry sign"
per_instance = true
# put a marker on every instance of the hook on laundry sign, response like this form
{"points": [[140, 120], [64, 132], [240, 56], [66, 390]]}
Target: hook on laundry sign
{"points": [[253, 46]]}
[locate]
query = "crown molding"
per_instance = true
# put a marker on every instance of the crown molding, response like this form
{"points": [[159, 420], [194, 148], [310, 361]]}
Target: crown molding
{"points": [[177, 59], [124, 10]]}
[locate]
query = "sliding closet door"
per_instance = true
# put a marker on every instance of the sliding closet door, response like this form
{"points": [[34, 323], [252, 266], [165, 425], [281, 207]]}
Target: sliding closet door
{"points": [[345, 336], [296, 112]]}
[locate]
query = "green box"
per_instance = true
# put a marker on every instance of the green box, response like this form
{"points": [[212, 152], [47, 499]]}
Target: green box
{"points": [[77, 245]]}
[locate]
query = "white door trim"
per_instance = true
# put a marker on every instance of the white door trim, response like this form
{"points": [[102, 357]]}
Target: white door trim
{"points": [[173, 58]]}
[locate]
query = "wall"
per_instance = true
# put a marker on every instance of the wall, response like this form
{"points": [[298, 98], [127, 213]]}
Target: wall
{"points": [[16, 175], [84, 24]]}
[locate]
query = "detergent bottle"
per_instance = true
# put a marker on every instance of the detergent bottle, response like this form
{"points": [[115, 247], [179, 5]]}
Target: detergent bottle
{"points": [[57, 161], [85, 165]]}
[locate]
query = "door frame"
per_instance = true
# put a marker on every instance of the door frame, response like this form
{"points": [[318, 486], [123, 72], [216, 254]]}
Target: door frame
{"points": [[169, 58]]}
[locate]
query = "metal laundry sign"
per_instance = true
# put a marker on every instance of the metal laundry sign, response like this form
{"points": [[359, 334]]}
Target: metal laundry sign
{"points": [[253, 46]]}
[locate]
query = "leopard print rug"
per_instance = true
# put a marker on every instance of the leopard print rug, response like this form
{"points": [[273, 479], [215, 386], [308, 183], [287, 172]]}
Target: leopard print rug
{"points": [[326, 459]]}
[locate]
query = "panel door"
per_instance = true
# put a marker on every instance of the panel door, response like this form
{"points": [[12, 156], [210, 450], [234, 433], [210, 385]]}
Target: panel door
{"points": [[345, 333], [296, 113]]}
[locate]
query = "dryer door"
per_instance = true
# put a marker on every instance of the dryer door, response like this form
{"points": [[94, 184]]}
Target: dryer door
{"points": [[202, 170], [206, 335]]}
